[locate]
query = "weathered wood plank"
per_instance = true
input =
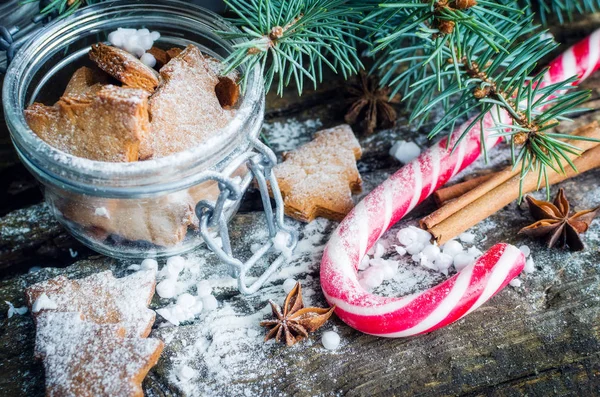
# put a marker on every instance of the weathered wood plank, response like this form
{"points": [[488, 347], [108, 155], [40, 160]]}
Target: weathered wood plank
{"points": [[541, 338], [32, 237]]}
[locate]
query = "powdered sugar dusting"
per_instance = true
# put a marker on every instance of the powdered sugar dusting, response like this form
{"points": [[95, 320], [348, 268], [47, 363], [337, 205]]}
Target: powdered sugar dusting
{"points": [[86, 358], [100, 298], [184, 110], [227, 344], [289, 134]]}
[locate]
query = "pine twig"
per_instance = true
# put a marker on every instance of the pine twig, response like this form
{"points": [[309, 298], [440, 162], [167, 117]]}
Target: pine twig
{"points": [[62, 8], [468, 72], [563, 10], [294, 40]]}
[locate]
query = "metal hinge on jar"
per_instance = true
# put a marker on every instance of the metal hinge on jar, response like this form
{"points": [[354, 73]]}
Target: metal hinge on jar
{"points": [[212, 217], [18, 22]]}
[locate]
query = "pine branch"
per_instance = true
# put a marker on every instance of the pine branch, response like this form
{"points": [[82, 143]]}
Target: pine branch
{"points": [[563, 10], [471, 69], [291, 39], [61, 8]]}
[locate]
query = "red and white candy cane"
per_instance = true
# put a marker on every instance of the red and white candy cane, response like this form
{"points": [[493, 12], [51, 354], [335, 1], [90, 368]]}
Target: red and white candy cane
{"points": [[389, 202]]}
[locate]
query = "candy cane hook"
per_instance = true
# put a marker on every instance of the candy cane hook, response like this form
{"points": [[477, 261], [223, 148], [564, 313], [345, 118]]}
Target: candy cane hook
{"points": [[389, 202]]}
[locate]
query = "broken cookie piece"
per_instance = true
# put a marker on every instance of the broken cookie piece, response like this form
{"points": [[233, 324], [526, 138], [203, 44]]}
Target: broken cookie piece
{"points": [[160, 55], [227, 89], [102, 299], [163, 221], [184, 110], [318, 179], [82, 358], [124, 67], [105, 126], [228, 92], [85, 81], [163, 57], [173, 52]]}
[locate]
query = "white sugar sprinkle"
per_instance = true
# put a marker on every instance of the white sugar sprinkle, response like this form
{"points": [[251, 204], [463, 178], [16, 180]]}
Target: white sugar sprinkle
{"points": [[515, 283], [186, 372], [148, 60], [166, 289], [330, 340], [43, 303], [404, 151], [210, 303], [280, 243], [525, 250], [12, 310], [102, 212], [288, 285], [529, 266]]}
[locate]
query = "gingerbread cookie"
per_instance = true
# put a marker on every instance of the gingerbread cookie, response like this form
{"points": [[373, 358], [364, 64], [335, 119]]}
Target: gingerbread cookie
{"points": [[228, 92], [85, 81], [106, 126], [173, 52], [163, 57], [227, 89], [184, 110], [160, 55], [102, 299], [163, 221], [82, 358], [124, 67], [318, 179]]}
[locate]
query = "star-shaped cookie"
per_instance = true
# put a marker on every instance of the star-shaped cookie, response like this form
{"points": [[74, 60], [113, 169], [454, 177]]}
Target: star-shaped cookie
{"points": [[318, 179], [82, 358], [102, 299]]}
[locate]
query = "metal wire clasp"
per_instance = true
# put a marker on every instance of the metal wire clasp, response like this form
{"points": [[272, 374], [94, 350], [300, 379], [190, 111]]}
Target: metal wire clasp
{"points": [[212, 216], [12, 38]]}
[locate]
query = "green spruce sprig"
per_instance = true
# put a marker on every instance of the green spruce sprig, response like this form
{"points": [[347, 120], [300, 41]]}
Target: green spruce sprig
{"points": [[470, 69], [62, 8], [563, 10], [295, 40]]}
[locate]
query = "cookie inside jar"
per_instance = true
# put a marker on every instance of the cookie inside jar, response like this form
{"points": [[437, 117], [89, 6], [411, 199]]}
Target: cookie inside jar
{"points": [[133, 99]]}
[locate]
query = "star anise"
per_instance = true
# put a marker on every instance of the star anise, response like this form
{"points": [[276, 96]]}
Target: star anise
{"points": [[369, 103], [296, 321], [554, 222]]}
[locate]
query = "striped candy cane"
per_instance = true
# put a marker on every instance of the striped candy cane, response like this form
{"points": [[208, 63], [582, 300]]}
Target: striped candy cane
{"points": [[389, 202]]}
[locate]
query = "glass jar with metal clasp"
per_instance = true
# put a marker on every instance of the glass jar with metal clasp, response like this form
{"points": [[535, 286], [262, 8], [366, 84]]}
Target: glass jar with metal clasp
{"points": [[135, 210]]}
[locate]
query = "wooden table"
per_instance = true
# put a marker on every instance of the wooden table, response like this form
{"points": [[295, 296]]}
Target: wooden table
{"points": [[540, 339]]}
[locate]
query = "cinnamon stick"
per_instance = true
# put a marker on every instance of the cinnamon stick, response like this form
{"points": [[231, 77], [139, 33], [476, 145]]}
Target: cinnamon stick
{"points": [[451, 192], [504, 194], [591, 130]]}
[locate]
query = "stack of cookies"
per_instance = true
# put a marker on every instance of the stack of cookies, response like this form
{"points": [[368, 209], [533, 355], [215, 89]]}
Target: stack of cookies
{"points": [[121, 110], [92, 333]]}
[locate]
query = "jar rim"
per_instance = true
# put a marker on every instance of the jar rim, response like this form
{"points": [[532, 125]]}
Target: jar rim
{"points": [[44, 157]]}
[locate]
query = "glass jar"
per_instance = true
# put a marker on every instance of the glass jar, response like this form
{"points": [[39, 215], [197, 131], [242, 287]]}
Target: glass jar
{"points": [[139, 209]]}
